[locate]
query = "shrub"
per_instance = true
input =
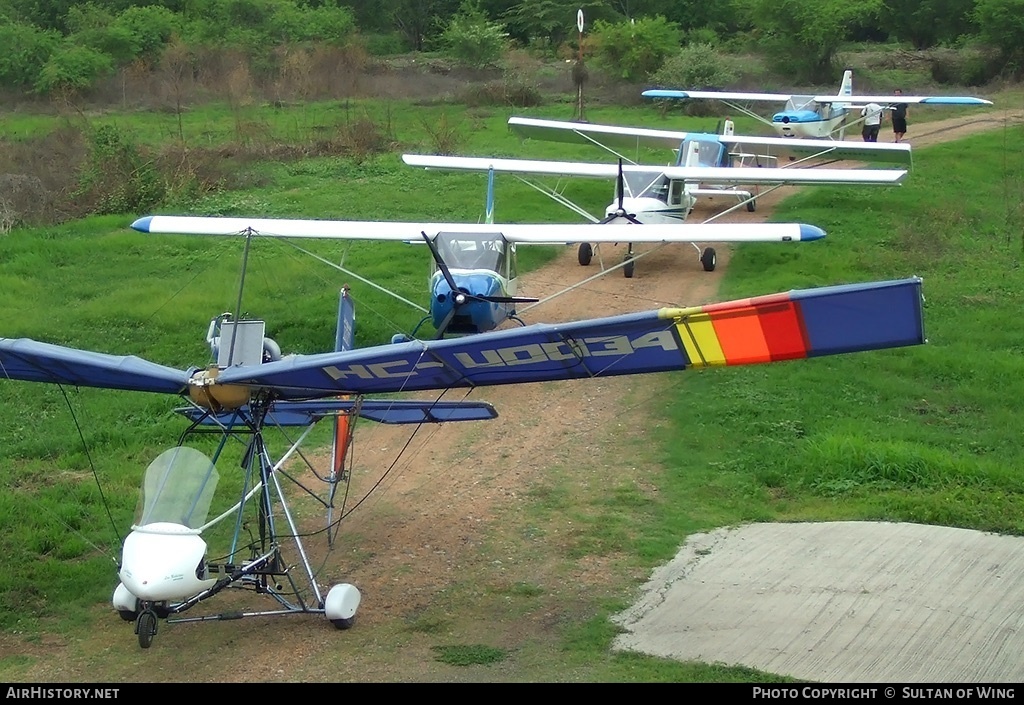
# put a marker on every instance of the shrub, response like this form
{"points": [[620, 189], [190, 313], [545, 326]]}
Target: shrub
{"points": [[697, 66], [73, 68], [26, 50], [117, 177], [472, 39], [635, 50]]}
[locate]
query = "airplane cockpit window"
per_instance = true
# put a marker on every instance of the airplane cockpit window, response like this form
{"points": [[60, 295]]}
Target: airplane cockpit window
{"points": [[802, 102], [472, 251], [648, 184], [709, 152]]}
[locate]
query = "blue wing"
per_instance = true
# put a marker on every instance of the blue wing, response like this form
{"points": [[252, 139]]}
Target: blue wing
{"points": [[798, 324], [30, 360], [793, 325]]}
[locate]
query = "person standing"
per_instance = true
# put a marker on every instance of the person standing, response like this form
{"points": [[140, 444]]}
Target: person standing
{"points": [[899, 118], [872, 114]]}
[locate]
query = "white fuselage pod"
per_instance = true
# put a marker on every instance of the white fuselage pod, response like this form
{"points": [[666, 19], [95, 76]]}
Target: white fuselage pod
{"points": [[160, 562], [650, 211]]}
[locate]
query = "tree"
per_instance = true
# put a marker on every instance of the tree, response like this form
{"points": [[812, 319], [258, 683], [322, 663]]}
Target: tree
{"points": [[553, 21], [926, 23], [25, 50], [473, 39], [806, 35], [1001, 23], [635, 50]]}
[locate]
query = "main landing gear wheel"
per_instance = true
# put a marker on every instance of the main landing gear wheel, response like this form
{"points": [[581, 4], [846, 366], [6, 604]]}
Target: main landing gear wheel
{"points": [[708, 259], [751, 205], [627, 271], [145, 627], [344, 623], [585, 254], [341, 605]]}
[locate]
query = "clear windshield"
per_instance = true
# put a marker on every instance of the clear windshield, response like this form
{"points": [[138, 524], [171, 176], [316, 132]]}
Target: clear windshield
{"points": [[472, 251], [708, 153], [177, 488], [649, 184], [801, 102]]}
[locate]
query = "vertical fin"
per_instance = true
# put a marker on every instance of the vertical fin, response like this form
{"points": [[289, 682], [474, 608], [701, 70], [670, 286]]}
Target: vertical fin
{"points": [[344, 340], [846, 87]]}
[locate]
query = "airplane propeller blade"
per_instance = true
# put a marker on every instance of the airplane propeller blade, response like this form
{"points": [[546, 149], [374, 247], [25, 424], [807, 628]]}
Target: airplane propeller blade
{"points": [[440, 263], [620, 194]]}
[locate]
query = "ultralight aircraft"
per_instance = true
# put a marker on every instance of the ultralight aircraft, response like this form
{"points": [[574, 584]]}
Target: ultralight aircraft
{"points": [[248, 387], [813, 116]]}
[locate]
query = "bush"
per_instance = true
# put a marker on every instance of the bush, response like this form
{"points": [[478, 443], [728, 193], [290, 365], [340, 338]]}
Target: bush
{"points": [[472, 39], [117, 177], [695, 67], [73, 68], [635, 50], [26, 50]]}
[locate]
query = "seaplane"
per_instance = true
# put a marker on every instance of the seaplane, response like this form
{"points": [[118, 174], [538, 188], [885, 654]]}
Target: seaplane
{"points": [[247, 387], [657, 195], [812, 116], [474, 283]]}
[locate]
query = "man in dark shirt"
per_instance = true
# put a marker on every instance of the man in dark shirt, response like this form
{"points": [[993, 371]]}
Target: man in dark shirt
{"points": [[899, 118]]}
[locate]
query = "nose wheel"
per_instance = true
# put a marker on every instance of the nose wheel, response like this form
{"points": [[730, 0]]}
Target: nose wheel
{"points": [[145, 627]]}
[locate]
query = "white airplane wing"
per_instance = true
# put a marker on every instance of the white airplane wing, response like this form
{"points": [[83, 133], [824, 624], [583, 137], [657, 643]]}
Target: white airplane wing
{"points": [[527, 233], [775, 150], [907, 99], [775, 175], [515, 166], [600, 135], [718, 95], [783, 149], [692, 174]]}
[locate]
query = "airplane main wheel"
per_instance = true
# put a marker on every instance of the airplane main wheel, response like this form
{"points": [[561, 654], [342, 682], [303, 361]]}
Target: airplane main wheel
{"points": [[585, 254], [751, 205], [344, 623], [627, 271], [708, 259], [146, 628]]}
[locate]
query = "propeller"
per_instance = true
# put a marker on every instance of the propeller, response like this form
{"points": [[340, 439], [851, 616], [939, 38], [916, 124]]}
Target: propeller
{"points": [[620, 194], [460, 297]]}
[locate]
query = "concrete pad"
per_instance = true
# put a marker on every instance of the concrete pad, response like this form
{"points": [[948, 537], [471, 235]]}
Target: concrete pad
{"points": [[850, 602]]}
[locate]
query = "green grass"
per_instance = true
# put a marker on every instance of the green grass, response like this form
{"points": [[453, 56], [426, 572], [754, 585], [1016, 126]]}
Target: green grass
{"points": [[926, 434]]}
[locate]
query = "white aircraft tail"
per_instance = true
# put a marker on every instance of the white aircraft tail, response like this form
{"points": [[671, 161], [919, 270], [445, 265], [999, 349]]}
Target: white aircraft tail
{"points": [[846, 87]]}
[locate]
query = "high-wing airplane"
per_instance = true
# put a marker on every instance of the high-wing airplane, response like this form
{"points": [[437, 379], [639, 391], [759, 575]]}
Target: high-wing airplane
{"points": [[714, 150], [164, 569], [812, 116], [655, 195], [474, 285]]}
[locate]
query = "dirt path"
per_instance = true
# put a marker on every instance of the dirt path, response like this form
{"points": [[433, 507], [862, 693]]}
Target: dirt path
{"points": [[449, 527]]}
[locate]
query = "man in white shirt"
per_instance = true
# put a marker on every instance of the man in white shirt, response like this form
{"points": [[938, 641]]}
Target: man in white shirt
{"points": [[872, 114]]}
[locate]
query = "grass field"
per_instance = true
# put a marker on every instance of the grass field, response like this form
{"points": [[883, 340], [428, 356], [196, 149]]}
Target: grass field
{"points": [[927, 434]]}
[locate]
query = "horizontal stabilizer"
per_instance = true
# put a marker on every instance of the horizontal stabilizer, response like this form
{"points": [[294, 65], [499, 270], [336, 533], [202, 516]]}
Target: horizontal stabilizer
{"points": [[387, 411]]}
